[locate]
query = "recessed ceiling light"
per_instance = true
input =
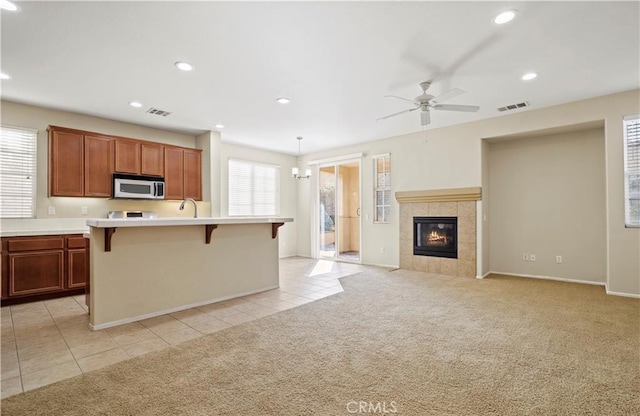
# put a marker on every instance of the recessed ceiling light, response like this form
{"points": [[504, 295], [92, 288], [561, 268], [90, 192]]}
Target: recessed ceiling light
{"points": [[135, 104], [219, 126], [7, 5], [4, 76], [504, 17], [184, 66], [529, 76], [283, 100]]}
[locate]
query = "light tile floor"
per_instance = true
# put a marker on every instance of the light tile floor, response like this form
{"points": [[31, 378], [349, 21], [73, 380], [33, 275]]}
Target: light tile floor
{"points": [[49, 341]]}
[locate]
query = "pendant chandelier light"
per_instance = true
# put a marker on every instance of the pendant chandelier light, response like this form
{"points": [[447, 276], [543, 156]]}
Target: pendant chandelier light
{"points": [[295, 171]]}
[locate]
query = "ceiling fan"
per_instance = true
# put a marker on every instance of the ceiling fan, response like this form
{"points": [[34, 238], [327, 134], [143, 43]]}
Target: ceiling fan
{"points": [[425, 102]]}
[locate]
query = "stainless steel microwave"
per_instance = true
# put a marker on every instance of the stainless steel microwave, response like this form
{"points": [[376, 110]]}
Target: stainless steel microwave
{"points": [[137, 187]]}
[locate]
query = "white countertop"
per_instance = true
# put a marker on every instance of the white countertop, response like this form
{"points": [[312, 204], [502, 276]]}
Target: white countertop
{"points": [[60, 226], [44, 226], [163, 222]]}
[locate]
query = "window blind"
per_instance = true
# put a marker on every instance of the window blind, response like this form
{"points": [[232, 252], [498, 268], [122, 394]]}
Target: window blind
{"points": [[382, 188], [254, 188], [17, 172], [632, 170]]}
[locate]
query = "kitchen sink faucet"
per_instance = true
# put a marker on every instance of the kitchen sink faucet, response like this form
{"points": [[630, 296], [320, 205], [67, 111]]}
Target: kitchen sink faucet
{"points": [[195, 206]]}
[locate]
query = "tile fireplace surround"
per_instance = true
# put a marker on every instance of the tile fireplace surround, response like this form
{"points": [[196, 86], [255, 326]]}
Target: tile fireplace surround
{"points": [[461, 203]]}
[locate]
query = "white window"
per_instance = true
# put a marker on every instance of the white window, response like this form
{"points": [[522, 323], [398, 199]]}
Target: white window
{"points": [[17, 172], [632, 171], [381, 188], [254, 189]]}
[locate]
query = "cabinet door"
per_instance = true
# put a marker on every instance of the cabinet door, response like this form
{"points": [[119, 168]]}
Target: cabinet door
{"points": [[98, 166], [35, 272], [173, 173], [77, 268], [127, 156], [152, 159], [193, 174], [66, 165]]}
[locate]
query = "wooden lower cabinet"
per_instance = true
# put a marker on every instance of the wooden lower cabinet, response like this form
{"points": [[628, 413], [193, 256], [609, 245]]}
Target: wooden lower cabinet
{"points": [[36, 272], [41, 267], [77, 261]]}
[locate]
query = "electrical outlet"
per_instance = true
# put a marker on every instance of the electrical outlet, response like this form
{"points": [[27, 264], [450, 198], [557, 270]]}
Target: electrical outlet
{"points": [[525, 257], [52, 210], [532, 257], [381, 250], [84, 210], [558, 259]]}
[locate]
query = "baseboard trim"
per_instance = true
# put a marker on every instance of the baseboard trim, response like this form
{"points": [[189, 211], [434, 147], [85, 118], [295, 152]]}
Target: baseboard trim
{"points": [[484, 275], [558, 279], [626, 295], [176, 309], [387, 266]]}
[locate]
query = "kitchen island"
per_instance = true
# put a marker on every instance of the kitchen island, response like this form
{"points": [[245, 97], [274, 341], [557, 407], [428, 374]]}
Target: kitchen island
{"points": [[141, 268]]}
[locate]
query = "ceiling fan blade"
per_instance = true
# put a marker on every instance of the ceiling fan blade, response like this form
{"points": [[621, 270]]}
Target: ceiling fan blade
{"points": [[395, 114], [447, 95], [454, 107], [425, 117], [401, 98]]}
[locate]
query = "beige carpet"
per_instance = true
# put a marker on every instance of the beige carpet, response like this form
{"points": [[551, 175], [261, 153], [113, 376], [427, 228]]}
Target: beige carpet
{"points": [[397, 341]]}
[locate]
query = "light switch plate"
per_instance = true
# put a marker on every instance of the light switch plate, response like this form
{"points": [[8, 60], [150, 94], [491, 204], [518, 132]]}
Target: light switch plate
{"points": [[52, 210]]}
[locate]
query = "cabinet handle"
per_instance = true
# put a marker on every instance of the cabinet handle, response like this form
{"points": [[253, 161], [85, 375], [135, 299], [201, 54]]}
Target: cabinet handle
{"points": [[358, 212]]}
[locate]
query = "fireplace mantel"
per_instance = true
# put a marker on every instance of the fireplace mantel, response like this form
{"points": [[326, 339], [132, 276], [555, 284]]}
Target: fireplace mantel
{"points": [[440, 195]]}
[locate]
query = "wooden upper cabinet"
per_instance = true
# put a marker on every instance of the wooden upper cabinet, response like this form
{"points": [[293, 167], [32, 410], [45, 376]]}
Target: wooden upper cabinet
{"points": [[98, 166], [152, 159], [182, 173], [66, 163], [138, 157], [127, 156], [193, 174], [173, 173], [82, 163]]}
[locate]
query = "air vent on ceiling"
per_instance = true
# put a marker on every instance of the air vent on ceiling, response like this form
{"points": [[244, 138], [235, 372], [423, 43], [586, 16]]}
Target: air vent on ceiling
{"points": [[158, 112], [513, 106]]}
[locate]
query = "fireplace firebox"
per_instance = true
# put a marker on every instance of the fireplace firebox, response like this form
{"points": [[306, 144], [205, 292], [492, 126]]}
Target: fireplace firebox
{"points": [[435, 236]]}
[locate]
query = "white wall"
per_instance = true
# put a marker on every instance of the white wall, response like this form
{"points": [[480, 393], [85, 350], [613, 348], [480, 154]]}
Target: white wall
{"points": [[483, 218], [451, 157], [287, 234], [214, 164], [547, 197], [39, 118]]}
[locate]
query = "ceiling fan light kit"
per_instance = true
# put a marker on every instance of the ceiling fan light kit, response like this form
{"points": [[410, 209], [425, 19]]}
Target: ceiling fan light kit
{"points": [[425, 102]]}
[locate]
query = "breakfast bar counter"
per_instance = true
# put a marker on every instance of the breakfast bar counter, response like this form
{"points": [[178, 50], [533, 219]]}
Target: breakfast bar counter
{"points": [[141, 268]]}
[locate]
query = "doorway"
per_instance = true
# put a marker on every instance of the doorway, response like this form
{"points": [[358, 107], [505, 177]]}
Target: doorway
{"points": [[339, 216]]}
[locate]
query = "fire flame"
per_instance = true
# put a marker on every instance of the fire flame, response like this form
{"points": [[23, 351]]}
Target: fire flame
{"points": [[434, 236]]}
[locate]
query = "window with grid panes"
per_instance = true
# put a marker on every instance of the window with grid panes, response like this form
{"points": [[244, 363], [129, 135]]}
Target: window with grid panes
{"points": [[632, 171], [17, 172], [382, 188]]}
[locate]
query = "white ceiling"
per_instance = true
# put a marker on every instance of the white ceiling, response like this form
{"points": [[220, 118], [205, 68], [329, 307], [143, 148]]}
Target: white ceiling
{"points": [[335, 60]]}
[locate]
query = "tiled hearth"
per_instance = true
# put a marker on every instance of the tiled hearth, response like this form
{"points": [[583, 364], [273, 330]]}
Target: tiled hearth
{"points": [[460, 203]]}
